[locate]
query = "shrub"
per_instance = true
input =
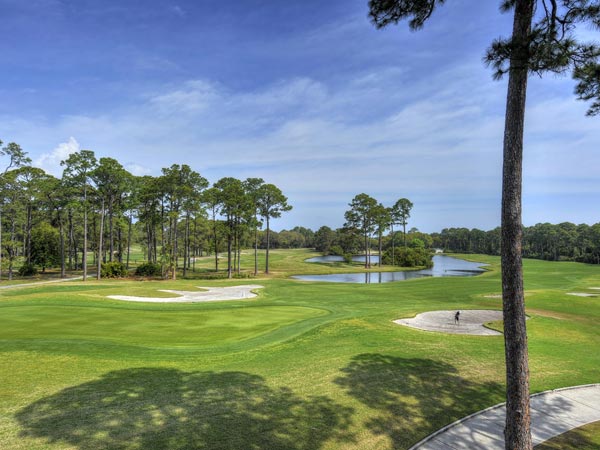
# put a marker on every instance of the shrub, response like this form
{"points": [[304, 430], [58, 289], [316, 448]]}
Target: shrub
{"points": [[409, 257], [336, 250], [28, 270], [149, 269], [113, 270]]}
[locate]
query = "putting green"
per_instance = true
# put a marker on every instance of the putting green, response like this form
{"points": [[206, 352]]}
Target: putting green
{"points": [[166, 329]]}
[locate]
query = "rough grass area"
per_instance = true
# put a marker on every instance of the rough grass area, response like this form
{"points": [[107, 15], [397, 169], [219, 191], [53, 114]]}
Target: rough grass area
{"points": [[302, 366]]}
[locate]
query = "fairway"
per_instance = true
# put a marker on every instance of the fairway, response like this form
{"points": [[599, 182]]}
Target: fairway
{"points": [[305, 365]]}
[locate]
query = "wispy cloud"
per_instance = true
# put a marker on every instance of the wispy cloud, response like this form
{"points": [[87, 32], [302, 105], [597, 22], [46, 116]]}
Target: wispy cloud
{"points": [[178, 11]]}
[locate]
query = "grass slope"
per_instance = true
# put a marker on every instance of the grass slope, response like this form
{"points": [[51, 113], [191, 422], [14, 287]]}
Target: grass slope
{"points": [[303, 366]]}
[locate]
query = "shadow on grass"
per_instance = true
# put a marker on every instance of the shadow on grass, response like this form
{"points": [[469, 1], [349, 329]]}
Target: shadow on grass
{"points": [[154, 408], [413, 397], [575, 439]]}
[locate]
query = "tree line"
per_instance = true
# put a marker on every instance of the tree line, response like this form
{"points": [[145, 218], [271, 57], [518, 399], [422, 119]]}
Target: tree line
{"points": [[98, 206], [561, 242]]}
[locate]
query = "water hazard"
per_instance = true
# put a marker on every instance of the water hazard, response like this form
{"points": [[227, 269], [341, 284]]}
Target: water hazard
{"points": [[443, 266], [336, 258]]}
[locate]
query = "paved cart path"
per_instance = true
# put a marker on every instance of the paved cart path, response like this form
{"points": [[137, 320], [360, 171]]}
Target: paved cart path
{"points": [[35, 283], [552, 413]]}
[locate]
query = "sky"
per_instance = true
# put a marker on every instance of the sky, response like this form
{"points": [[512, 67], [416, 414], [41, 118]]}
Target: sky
{"points": [[305, 94]]}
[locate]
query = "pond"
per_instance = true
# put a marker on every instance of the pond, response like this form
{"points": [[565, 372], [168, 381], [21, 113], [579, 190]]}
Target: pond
{"points": [[336, 258], [443, 266]]}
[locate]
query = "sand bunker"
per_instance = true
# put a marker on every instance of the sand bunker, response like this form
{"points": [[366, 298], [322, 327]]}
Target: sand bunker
{"points": [[582, 294], [471, 321], [210, 294]]}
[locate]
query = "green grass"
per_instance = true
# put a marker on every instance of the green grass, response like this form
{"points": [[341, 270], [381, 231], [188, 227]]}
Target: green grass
{"points": [[303, 366], [582, 438]]}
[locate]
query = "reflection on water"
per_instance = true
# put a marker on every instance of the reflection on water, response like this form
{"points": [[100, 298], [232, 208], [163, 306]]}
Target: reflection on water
{"points": [[443, 266]]}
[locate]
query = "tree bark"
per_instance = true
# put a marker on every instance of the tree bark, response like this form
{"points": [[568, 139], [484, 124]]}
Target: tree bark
{"points": [[255, 251], [63, 273], [517, 431], [268, 245], [129, 241], [100, 244], [84, 258]]}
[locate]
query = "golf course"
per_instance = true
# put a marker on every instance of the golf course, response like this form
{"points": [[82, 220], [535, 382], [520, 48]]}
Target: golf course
{"points": [[302, 365]]}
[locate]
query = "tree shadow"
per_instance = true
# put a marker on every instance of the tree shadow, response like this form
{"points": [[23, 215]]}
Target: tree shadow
{"points": [[578, 438], [155, 408], [413, 397]]}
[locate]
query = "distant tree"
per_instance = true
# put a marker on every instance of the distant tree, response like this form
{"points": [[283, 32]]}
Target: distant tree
{"points": [[401, 213], [543, 40], [324, 239], [113, 182], [361, 216], [56, 199], [271, 203], [233, 204], [210, 197], [252, 187], [45, 248], [308, 234], [16, 158], [382, 219], [78, 170], [182, 187]]}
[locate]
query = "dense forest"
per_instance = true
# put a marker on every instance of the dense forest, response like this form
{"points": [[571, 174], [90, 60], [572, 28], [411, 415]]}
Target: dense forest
{"points": [[99, 207]]}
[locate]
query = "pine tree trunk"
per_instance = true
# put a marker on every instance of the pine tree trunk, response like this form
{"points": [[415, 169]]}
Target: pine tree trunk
{"points": [[100, 244], [111, 236], [63, 273], [84, 258], [517, 431], [216, 245], [366, 256], [268, 245], [393, 247], [255, 251], [71, 240], [129, 241], [229, 238]]}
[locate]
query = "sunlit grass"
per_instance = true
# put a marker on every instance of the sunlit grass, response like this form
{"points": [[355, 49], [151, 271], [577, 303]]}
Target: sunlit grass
{"points": [[303, 365]]}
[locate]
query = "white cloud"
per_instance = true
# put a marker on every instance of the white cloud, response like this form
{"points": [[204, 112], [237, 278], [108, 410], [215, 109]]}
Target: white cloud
{"points": [[50, 162], [137, 169]]}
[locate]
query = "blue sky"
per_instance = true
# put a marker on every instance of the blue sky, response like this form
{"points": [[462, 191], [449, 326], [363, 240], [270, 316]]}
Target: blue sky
{"points": [[306, 94]]}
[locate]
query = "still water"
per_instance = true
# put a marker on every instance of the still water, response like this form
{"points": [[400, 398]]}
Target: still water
{"points": [[443, 266], [335, 258]]}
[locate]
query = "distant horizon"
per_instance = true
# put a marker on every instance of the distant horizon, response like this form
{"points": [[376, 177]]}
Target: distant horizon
{"points": [[307, 95]]}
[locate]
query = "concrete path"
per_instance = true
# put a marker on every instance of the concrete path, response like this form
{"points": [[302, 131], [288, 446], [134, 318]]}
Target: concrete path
{"points": [[552, 413], [35, 283]]}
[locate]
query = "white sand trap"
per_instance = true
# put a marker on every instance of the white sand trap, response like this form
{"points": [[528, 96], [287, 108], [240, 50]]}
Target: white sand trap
{"points": [[471, 321], [582, 294], [210, 294]]}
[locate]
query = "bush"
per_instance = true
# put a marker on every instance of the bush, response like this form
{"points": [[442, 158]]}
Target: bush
{"points": [[409, 257], [27, 270], [113, 270], [336, 250], [149, 270]]}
